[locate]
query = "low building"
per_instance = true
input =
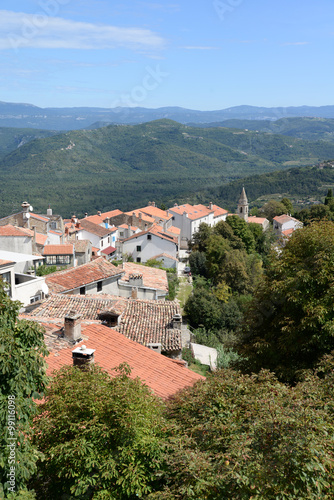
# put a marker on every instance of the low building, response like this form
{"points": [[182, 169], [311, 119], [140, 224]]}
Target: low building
{"points": [[283, 223], [28, 219], [25, 288], [145, 245], [143, 282], [262, 221], [98, 276], [109, 348], [59, 255], [155, 324]]}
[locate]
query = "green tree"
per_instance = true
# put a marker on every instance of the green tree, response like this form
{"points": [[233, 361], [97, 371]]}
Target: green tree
{"points": [[289, 325], [249, 437], [329, 197], [197, 263], [22, 378], [101, 436], [271, 209], [241, 229], [288, 205], [200, 238]]}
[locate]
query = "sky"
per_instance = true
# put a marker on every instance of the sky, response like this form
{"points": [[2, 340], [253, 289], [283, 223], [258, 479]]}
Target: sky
{"points": [[203, 54]]}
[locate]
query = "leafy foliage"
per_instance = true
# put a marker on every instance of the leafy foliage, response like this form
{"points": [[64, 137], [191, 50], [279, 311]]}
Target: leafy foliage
{"points": [[289, 324], [101, 436], [22, 378]]}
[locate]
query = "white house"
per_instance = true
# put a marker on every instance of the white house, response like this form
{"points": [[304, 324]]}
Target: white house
{"points": [[188, 219], [147, 244], [285, 224], [23, 287], [100, 237]]}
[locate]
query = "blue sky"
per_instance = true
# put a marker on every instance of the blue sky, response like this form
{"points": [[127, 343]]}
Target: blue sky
{"points": [[204, 54]]}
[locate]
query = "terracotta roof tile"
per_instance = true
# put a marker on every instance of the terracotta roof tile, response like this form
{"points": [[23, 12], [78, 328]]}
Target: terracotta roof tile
{"points": [[281, 219], [82, 275], [194, 212], [39, 217], [155, 212], [93, 228], [140, 215], [152, 277], [157, 231], [158, 372], [10, 230], [62, 249], [218, 211], [4, 262], [81, 245], [256, 220]]}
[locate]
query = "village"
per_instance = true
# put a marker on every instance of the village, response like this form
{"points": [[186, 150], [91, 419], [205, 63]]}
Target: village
{"points": [[103, 303]]}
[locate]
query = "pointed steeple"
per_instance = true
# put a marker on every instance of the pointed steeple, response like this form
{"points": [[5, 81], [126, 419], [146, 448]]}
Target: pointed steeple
{"points": [[243, 205]]}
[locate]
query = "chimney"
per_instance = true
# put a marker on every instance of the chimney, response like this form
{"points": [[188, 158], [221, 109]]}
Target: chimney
{"points": [[140, 215], [177, 322], [99, 213], [129, 230], [136, 279], [49, 211], [153, 203], [134, 293], [154, 347], [83, 357], [86, 214], [72, 326], [210, 205], [149, 203], [74, 219]]}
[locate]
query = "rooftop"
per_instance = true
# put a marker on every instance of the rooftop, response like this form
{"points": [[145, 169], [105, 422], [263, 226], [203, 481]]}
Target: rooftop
{"points": [[281, 219], [256, 220], [100, 218], [138, 213], [157, 231], [62, 249], [93, 228], [81, 245], [143, 321], [76, 277], [193, 211], [152, 211], [164, 376], [152, 277], [10, 230]]}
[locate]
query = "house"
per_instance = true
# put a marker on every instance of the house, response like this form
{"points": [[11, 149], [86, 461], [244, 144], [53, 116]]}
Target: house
{"points": [[100, 237], [146, 244], [23, 287], [156, 324], [205, 355], [59, 255], [262, 221], [143, 282], [167, 261], [109, 348], [96, 276], [188, 219], [284, 225], [83, 251], [219, 214], [28, 219]]}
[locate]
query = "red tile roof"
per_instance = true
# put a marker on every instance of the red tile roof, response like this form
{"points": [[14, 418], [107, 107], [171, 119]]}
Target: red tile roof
{"points": [[281, 219], [140, 215], [143, 321], [161, 374], [218, 211], [157, 231], [152, 277], [79, 276], [194, 212], [256, 220], [10, 230], [93, 228], [155, 212], [109, 250], [99, 219], [40, 238], [62, 249], [40, 217]]}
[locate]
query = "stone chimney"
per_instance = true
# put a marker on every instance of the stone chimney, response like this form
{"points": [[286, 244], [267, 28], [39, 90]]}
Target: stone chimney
{"points": [[210, 205], [72, 326], [83, 357], [99, 213], [154, 347], [136, 279], [49, 211], [86, 214], [177, 322], [134, 293], [153, 204]]}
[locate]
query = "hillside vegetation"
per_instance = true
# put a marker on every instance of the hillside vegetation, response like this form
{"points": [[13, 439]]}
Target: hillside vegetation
{"points": [[125, 166]]}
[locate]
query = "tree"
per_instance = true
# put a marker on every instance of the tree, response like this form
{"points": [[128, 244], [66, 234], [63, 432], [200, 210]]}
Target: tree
{"points": [[271, 209], [288, 205], [197, 263], [200, 238], [101, 436], [249, 437], [289, 325], [241, 229], [22, 378]]}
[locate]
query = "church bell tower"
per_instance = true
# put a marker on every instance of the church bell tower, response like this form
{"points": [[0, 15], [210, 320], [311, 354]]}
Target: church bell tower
{"points": [[243, 206]]}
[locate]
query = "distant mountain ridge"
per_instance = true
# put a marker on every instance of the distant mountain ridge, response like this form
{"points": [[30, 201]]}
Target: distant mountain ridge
{"points": [[76, 118], [126, 166]]}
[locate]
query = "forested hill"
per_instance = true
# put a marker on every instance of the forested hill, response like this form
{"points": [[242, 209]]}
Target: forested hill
{"points": [[302, 185], [126, 166]]}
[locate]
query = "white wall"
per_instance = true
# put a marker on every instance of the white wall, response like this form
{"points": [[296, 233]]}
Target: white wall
{"points": [[25, 291], [149, 247]]}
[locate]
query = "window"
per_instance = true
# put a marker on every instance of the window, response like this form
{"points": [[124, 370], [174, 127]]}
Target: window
{"points": [[138, 248], [53, 225], [99, 286], [173, 218], [138, 259], [34, 299], [83, 290], [149, 236], [121, 234], [52, 260]]}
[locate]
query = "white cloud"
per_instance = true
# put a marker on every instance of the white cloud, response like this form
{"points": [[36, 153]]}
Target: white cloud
{"points": [[295, 43], [19, 30], [195, 47]]}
